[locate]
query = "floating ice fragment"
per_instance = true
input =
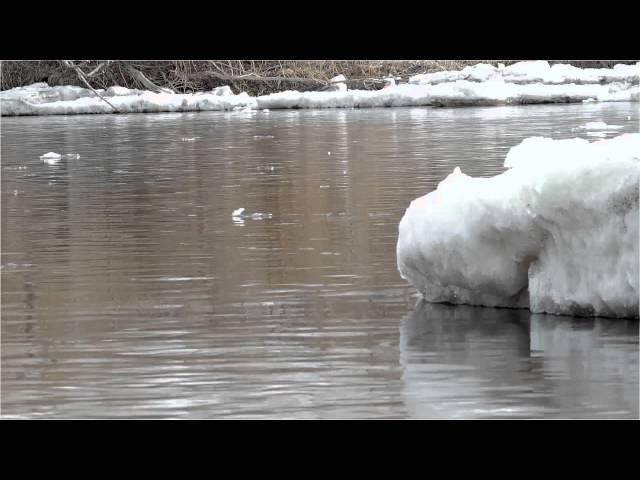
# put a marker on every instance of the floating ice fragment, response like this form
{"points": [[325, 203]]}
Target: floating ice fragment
{"points": [[51, 158]]}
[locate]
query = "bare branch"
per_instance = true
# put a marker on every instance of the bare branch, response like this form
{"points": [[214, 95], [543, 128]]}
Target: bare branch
{"points": [[97, 69], [252, 77], [81, 75], [139, 76]]}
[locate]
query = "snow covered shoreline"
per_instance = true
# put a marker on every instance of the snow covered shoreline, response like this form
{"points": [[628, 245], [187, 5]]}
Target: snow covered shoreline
{"points": [[556, 233], [481, 84], [41, 99]]}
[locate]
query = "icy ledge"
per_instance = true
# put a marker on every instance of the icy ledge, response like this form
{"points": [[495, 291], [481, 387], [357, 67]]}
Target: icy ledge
{"points": [[41, 99], [557, 232], [481, 84]]}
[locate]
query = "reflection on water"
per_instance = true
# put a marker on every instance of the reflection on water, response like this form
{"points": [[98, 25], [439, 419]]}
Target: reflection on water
{"points": [[473, 362], [128, 290]]}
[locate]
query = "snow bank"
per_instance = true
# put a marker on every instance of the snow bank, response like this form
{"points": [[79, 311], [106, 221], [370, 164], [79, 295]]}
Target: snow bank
{"points": [[41, 99], [456, 93], [557, 232], [534, 72], [498, 92], [481, 84], [392, 96]]}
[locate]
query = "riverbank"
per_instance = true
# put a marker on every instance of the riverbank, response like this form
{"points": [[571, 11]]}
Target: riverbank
{"points": [[530, 82]]}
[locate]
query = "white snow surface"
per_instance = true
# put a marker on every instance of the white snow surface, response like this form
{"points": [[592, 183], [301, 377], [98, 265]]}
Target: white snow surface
{"points": [[534, 72], [41, 99], [457, 93], [557, 232], [481, 84]]}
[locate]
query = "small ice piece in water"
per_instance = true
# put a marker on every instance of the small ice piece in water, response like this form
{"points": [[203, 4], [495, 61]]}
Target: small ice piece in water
{"points": [[73, 155], [628, 117], [51, 158], [189, 139], [266, 110], [589, 100], [272, 168], [328, 153], [237, 212]]}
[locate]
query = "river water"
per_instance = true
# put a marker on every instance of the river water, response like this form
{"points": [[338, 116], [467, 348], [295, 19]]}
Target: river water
{"points": [[129, 291]]}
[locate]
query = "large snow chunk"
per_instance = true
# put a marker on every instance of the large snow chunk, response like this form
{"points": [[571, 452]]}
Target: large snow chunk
{"points": [[557, 232]]}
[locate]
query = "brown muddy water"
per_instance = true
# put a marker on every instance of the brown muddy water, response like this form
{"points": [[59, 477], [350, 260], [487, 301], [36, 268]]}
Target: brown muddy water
{"points": [[129, 291]]}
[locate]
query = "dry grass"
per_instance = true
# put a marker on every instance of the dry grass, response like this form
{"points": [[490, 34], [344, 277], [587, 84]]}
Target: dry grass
{"points": [[190, 75]]}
